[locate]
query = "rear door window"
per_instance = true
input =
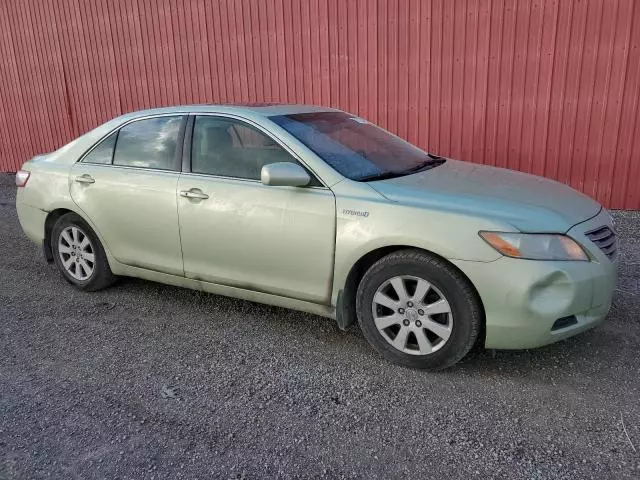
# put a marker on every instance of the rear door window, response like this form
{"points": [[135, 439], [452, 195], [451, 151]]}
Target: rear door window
{"points": [[149, 143], [103, 152]]}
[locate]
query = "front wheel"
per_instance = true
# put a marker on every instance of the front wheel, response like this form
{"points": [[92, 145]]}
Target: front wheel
{"points": [[79, 254], [417, 310]]}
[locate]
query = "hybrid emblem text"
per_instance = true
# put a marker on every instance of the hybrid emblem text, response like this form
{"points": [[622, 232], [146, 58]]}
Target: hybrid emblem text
{"points": [[356, 213]]}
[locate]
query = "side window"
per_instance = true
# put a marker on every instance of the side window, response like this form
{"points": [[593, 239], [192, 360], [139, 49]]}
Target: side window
{"points": [[230, 148], [248, 137], [103, 152], [149, 143]]}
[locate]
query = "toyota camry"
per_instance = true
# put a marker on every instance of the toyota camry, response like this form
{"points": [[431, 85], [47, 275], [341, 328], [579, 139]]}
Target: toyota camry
{"points": [[322, 211]]}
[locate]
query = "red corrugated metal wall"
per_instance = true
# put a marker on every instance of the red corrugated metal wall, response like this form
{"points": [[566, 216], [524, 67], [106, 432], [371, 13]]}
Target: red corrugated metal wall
{"points": [[545, 86]]}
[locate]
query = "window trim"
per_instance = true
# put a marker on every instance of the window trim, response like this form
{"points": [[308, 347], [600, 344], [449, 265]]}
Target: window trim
{"points": [[188, 142], [177, 154]]}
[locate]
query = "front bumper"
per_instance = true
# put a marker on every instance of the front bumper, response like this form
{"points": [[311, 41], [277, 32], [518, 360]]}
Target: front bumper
{"points": [[524, 298]]}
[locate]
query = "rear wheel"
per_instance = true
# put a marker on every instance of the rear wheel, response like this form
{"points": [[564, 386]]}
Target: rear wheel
{"points": [[417, 310], [79, 254]]}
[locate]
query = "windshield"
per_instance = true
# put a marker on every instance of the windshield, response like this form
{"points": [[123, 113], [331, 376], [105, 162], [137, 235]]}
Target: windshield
{"points": [[357, 149]]}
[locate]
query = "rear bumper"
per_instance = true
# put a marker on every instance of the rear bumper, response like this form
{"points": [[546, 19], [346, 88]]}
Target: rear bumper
{"points": [[524, 298], [32, 221]]}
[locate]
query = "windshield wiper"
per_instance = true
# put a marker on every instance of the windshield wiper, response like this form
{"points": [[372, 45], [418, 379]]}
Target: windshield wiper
{"points": [[380, 176], [426, 165]]}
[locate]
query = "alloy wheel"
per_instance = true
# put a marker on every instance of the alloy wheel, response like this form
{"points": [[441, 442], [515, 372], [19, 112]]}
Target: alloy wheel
{"points": [[76, 253], [412, 315]]}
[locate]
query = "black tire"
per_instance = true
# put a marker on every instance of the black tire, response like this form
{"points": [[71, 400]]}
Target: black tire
{"points": [[465, 307], [101, 276]]}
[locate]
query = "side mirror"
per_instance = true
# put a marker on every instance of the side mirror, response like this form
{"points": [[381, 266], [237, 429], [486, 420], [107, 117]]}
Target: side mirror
{"points": [[284, 174]]}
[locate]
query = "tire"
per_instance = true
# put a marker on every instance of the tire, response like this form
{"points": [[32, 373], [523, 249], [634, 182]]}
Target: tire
{"points": [[450, 330], [81, 260]]}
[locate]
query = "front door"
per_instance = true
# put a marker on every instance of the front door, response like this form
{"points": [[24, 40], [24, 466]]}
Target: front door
{"points": [[239, 232], [127, 185]]}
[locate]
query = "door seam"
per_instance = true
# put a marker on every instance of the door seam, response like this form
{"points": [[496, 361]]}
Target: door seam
{"points": [[184, 273]]}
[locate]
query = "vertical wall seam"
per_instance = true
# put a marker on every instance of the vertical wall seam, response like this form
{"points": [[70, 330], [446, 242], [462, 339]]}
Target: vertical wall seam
{"points": [[590, 102], [605, 97], [553, 67], [627, 63], [635, 116]]}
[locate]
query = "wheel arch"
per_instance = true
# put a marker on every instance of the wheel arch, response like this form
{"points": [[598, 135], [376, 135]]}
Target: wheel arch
{"points": [[346, 305], [49, 222]]}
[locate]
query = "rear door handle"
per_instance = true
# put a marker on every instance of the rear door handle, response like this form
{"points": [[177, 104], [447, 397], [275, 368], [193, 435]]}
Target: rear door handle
{"points": [[86, 178], [194, 193]]}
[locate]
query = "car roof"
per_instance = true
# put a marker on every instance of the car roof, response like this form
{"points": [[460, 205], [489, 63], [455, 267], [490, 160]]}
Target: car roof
{"points": [[263, 109]]}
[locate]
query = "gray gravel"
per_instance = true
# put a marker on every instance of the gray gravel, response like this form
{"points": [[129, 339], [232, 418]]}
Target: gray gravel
{"points": [[150, 381]]}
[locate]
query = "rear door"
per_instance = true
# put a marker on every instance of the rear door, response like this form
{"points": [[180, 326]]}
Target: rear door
{"points": [[126, 185], [239, 232]]}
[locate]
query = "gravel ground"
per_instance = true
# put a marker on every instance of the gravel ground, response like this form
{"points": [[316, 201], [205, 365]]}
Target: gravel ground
{"points": [[150, 381]]}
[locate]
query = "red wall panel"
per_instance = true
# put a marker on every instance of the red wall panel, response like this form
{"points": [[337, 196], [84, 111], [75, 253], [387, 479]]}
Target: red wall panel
{"points": [[545, 86]]}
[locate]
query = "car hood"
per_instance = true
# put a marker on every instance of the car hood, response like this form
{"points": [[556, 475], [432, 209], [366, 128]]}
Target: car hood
{"points": [[528, 202]]}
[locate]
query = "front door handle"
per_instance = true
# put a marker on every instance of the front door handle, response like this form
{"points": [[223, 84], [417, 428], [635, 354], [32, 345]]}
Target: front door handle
{"points": [[86, 178], [194, 193]]}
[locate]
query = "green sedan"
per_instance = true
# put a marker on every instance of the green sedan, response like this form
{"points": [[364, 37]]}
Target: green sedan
{"points": [[318, 210]]}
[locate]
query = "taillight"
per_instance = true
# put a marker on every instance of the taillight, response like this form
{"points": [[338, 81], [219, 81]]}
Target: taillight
{"points": [[21, 178]]}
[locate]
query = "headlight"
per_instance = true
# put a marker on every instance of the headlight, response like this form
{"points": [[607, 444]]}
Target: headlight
{"points": [[534, 246]]}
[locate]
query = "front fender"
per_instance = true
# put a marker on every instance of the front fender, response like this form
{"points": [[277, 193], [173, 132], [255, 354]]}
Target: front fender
{"points": [[449, 235]]}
